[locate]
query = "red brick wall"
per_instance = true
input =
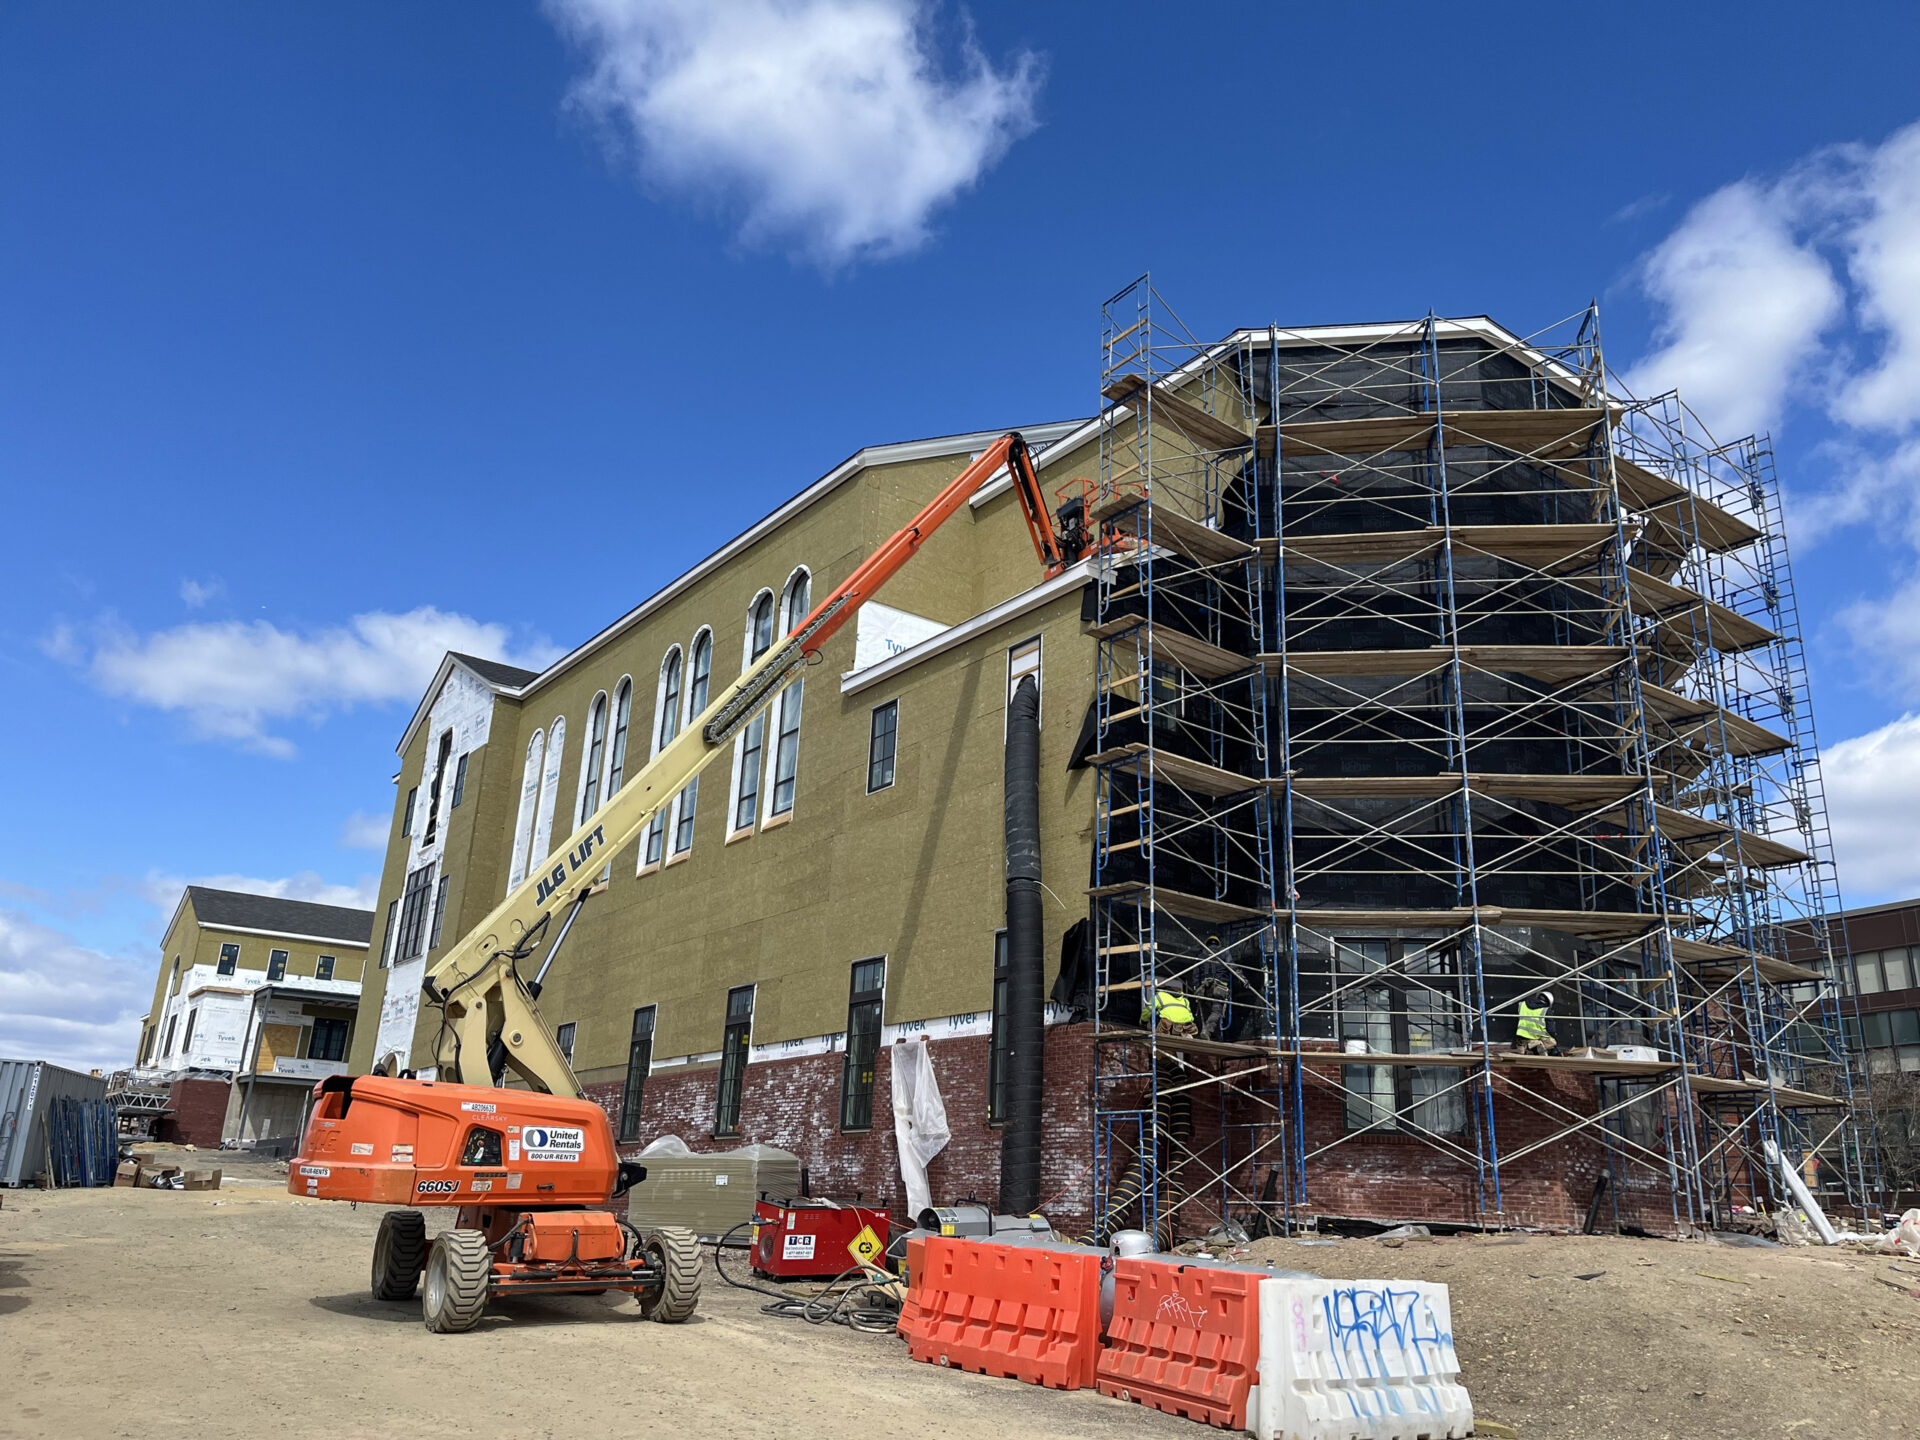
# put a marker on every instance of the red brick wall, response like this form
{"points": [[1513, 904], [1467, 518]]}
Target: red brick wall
{"points": [[199, 1112], [795, 1104]]}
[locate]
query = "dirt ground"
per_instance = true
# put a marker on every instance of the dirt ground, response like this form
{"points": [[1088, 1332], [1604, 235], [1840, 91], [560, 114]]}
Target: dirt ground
{"points": [[173, 1314]]}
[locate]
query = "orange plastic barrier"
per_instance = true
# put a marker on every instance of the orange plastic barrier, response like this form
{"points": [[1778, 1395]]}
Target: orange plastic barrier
{"points": [[1184, 1339], [913, 1319], [1011, 1310]]}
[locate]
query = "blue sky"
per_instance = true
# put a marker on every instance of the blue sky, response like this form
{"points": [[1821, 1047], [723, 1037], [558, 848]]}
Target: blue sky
{"points": [[334, 335]]}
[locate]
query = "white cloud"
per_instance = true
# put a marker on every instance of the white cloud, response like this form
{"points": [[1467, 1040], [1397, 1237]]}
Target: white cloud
{"points": [[232, 679], [64, 1002], [362, 831], [196, 593], [1873, 801], [831, 126], [1745, 303], [1885, 266]]}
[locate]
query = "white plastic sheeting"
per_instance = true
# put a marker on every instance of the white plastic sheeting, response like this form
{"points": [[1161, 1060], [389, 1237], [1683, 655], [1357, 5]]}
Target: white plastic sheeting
{"points": [[1357, 1360], [919, 1119]]}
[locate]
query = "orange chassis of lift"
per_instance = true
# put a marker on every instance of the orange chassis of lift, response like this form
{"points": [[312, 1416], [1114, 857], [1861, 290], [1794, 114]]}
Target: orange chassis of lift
{"points": [[532, 1176]]}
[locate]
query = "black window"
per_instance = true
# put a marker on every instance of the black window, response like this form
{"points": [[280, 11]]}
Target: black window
{"points": [[433, 793], [413, 913], [881, 745], [406, 813], [590, 763], [564, 1036], [386, 935], [146, 1046], [166, 1045], [276, 965], [1401, 999], [323, 968], [328, 1041], [229, 958], [1904, 1027], [1874, 1031], [733, 1060], [459, 783], [639, 1060], [482, 1147], [865, 999], [997, 1050], [186, 1040], [439, 912]]}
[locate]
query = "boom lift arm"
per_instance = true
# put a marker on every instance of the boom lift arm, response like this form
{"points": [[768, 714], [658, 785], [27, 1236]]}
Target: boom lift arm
{"points": [[490, 1020]]}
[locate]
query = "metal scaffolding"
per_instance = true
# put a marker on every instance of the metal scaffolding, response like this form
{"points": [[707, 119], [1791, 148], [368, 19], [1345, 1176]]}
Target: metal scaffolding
{"points": [[1437, 675]]}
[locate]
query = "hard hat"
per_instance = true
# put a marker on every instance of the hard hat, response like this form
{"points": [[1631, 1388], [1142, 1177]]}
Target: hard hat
{"points": [[1546, 998]]}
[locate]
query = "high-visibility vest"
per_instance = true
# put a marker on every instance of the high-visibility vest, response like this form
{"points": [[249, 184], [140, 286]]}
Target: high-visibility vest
{"points": [[1168, 1005], [1533, 1022]]}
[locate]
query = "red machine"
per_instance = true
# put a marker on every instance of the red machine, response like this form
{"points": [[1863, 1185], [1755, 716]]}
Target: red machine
{"points": [[793, 1239]]}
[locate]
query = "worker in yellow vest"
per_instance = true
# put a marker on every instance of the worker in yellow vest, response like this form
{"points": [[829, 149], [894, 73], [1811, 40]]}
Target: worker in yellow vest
{"points": [[1166, 1009], [1530, 1035]]}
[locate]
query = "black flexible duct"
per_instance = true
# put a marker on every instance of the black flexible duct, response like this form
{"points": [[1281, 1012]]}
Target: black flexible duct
{"points": [[1026, 1004]]}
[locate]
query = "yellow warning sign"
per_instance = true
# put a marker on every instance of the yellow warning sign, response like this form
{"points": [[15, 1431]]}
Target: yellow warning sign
{"points": [[865, 1247]]}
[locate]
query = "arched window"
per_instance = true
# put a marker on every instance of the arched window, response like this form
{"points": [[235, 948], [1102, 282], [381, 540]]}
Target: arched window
{"points": [[590, 763], [666, 710], [750, 750], [617, 752], [549, 788], [699, 677], [529, 807], [794, 605]]}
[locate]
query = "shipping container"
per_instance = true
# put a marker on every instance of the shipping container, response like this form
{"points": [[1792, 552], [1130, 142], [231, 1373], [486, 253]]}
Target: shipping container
{"points": [[28, 1089]]}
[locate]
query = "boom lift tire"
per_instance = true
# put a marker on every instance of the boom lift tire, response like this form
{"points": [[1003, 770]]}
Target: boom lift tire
{"points": [[399, 1254], [458, 1268], [677, 1254]]}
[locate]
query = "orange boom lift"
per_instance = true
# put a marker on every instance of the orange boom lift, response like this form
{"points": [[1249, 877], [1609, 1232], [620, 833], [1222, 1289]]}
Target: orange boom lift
{"points": [[532, 1170]]}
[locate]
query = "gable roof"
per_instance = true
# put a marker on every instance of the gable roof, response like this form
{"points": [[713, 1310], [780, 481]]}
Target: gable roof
{"points": [[272, 915], [493, 672]]}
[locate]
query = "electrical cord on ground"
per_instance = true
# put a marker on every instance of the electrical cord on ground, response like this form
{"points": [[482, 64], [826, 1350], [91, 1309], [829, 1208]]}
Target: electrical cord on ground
{"points": [[824, 1306]]}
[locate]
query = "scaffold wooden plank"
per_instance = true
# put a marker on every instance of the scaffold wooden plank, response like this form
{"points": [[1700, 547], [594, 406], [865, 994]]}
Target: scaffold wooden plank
{"points": [[1543, 662], [1160, 525], [1688, 716], [1195, 656], [1535, 546], [1568, 790], [1582, 1065], [1176, 902], [1207, 431], [1193, 775]]}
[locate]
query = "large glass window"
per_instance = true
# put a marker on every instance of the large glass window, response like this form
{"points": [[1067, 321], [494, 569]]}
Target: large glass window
{"points": [[406, 813], [433, 791], [276, 965], [439, 912], [639, 1062], [590, 763], [622, 717], [1866, 971], [753, 743], [386, 935], [413, 912], [1401, 998], [323, 968], [997, 1049], [882, 742], [666, 726], [1897, 969], [229, 959], [328, 1041], [527, 817], [794, 606], [166, 1045], [735, 1042], [865, 1000], [699, 679], [459, 783]]}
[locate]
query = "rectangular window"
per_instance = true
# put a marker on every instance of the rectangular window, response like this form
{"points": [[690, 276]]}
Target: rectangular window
{"points": [[323, 968], [655, 841], [563, 1036], [1873, 1031], [406, 813], [146, 1046], [166, 1045], [439, 911], [786, 749], [459, 784], [639, 1061], [328, 1041], [752, 752], [734, 1044], [882, 741], [1866, 970], [413, 913], [1023, 660], [186, 1040], [683, 824], [386, 935], [1905, 1027], [997, 1049], [229, 959], [1896, 968], [276, 965], [866, 997], [1401, 1000], [439, 784]]}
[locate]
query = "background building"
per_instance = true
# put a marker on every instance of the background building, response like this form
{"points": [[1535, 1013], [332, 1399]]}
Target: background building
{"points": [[1419, 673], [255, 986]]}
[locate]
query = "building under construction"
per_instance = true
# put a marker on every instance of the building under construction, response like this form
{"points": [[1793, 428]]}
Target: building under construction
{"points": [[1417, 673]]}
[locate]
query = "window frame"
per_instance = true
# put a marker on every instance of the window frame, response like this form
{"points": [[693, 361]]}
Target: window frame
{"points": [[549, 792], [323, 966], [413, 916], [593, 760], [621, 734], [736, 1049], [890, 708], [1016, 675], [698, 689], [866, 1024], [997, 1039], [186, 1038], [1401, 1078], [444, 755], [344, 1031], [564, 1035], [386, 935], [783, 767], [750, 745], [406, 814], [668, 693], [439, 911], [526, 818], [639, 1068], [229, 961], [459, 781], [277, 965]]}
